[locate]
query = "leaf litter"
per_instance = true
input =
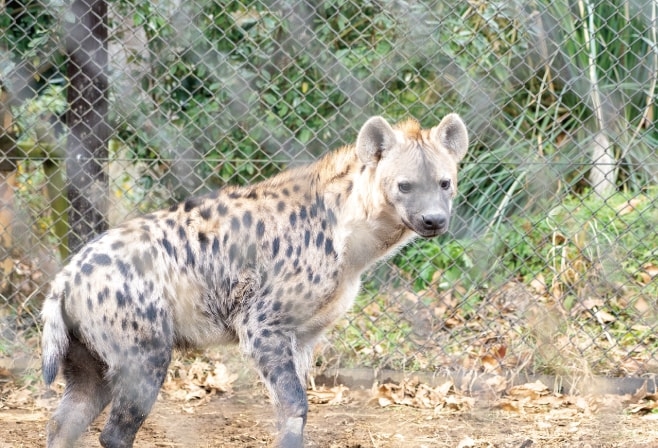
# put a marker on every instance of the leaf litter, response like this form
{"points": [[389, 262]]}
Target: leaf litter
{"points": [[192, 383], [197, 382]]}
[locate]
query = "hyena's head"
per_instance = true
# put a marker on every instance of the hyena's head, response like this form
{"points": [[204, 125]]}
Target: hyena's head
{"points": [[415, 170]]}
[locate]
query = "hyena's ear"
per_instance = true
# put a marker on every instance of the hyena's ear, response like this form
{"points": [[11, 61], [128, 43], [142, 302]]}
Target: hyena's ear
{"points": [[375, 137], [452, 135]]}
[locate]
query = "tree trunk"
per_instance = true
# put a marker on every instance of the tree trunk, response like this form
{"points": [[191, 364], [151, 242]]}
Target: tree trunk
{"points": [[86, 118]]}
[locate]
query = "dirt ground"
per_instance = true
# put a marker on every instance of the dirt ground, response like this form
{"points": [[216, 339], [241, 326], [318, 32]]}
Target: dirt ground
{"points": [[243, 419], [192, 411]]}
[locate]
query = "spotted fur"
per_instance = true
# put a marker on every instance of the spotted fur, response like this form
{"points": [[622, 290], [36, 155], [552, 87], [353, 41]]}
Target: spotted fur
{"points": [[269, 266]]}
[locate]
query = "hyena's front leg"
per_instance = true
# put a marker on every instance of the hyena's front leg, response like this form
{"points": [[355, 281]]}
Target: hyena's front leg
{"points": [[281, 364]]}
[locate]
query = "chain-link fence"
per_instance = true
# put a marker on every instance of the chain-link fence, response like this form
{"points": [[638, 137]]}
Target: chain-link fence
{"points": [[552, 262]]}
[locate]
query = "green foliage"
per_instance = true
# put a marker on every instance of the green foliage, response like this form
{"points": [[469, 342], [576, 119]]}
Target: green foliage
{"points": [[35, 119], [26, 28], [441, 263]]}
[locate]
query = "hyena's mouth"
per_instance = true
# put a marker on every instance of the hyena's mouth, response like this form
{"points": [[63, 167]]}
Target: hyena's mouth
{"points": [[428, 228]]}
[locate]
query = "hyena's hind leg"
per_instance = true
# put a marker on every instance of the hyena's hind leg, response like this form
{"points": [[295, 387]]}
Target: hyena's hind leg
{"points": [[86, 394], [136, 386]]}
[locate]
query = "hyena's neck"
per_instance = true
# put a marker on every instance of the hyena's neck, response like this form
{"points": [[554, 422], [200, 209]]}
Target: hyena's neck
{"points": [[366, 228]]}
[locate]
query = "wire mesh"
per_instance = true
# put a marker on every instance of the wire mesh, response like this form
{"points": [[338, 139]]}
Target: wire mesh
{"points": [[551, 265]]}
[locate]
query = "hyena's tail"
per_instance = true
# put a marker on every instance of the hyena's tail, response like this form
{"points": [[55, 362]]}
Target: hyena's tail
{"points": [[55, 339]]}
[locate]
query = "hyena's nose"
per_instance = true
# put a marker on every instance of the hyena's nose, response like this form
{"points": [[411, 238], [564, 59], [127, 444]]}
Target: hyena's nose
{"points": [[435, 221]]}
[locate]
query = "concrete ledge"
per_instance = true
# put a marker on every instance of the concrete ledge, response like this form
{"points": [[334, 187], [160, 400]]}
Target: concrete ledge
{"points": [[477, 382]]}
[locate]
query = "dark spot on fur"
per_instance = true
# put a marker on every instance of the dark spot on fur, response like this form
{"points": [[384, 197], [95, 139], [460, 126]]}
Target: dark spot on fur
{"points": [[247, 219], [235, 224], [117, 245], [168, 247], [190, 204], [277, 267], [275, 247], [215, 246], [331, 217], [233, 252], [316, 279], [252, 195], [285, 192], [293, 219], [181, 232], [191, 261], [102, 259], [222, 209], [307, 237], [87, 268], [170, 223], [205, 213], [276, 306], [102, 295], [320, 239], [260, 229], [203, 240], [151, 312], [289, 251], [173, 208], [328, 246], [122, 299], [234, 195], [303, 213], [280, 206], [124, 268]]}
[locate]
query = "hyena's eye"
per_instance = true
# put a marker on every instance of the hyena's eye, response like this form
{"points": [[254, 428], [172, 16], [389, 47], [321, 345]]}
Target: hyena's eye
{"points": [[445, 184], [404, 187]]}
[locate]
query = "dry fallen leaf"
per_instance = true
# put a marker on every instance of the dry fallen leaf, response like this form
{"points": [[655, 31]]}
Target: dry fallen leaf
{"points": [[411, 392], [19, 398], [629, 206], [529, 390], [197, 381], [333, 396], [220, 379], [604, 316], [648, 272], [538, 284]]}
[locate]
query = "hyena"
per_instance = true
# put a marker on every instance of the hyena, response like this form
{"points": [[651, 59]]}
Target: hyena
{"points": [[268, 266]]}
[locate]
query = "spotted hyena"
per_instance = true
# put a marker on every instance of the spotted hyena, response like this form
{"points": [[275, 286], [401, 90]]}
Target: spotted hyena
{"points": [[268, 266]]}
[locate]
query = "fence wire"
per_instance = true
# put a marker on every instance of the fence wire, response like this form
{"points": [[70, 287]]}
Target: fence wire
{"points": [[551, 265]]}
